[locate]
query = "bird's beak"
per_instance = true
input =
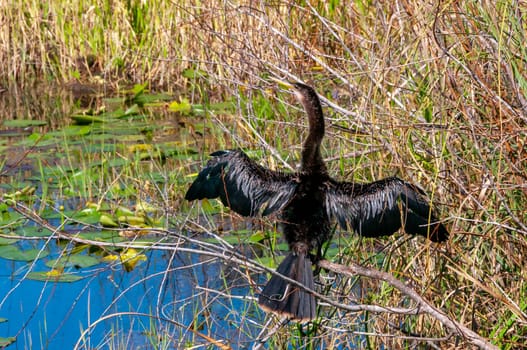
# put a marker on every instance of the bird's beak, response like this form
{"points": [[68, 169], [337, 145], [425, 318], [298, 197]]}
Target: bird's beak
{"points": [[283, 83]]}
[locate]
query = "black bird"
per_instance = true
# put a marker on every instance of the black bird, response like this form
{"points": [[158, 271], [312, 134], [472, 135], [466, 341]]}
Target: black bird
{"points": [[307, 201]]}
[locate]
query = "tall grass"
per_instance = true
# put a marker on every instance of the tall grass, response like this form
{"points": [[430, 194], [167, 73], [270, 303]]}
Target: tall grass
{"points": [[432, 92]]}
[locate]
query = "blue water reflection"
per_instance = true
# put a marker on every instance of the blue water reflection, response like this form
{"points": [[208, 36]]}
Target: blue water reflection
{"points": [[181, 287]]}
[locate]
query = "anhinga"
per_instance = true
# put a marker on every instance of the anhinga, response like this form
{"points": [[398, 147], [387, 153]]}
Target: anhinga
{"points": [[307, 201]]}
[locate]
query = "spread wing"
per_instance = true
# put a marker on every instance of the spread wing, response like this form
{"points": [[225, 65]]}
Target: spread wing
{"points": [[242, 185], [381, 208]]}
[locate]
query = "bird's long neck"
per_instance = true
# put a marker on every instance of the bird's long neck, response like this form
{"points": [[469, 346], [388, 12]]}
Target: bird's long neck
{"points": [[311, 158]]}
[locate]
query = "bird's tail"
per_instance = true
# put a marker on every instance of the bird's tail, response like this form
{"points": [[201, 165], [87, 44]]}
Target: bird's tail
{"points": [[285, 299]]}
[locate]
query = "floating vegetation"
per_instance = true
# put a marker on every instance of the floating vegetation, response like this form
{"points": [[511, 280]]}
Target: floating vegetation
{"points": [[121, 147], [12, 252], [54, 275], [129, 258]]}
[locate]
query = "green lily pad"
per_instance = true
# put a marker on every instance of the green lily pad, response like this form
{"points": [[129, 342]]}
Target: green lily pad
{"points": [[257, 237], [6, 341], [23, 123], [53, 277], [282, 246], [73, 260], [192, 73], [231, 239], [134, 109], [10, 218], [123, 211], [33, 231], [102, 236], [119, 162], [12, 252], [183, 106], [332, 252], [80, 119], [6, 241], [72, 130], [270, 261], [87, 218], [107, 221]]}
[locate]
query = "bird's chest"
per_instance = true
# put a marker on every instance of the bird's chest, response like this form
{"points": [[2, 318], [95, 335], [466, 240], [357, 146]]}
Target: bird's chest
{"points": [[305, 219], [306, 210]]}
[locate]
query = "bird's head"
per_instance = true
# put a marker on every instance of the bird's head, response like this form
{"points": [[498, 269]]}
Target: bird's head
{"points": [[304, 93]]}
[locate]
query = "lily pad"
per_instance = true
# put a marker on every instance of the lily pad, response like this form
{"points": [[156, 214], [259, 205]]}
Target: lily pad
{"points": [[102, 236], [6, 341], [6, 241], [23, 123], [257, 237], [269, 261], [73, 260], [114, 163], [12, 252], [134, 109], [129, 258], [33, 231], [123, 211], [53, 276], [107, 221], [183, 106], [72, 130], [81, 119]]}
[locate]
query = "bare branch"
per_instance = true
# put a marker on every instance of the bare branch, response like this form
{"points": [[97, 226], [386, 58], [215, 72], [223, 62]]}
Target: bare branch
{"points": [[422, 303]]}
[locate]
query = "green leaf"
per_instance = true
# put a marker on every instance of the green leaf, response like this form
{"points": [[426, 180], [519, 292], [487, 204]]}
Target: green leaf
{"points": [[75, 260], [102, 236], [211, 206], [183, 106], [12, 252], [270, 261], [75, 130], [6, 241], [227, 238], [86, 119], [283, 247], [23, 123], [427, 114], [10, 218], [33, 231], [6, 341], [138, 89], [123, 211], [134, 109], [257, 237], [47, 276], [146, 207], [332, 252], [191, 73], [114, 163], [107, 221]]}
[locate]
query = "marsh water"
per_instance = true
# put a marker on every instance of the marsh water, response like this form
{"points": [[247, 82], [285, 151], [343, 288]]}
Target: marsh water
{"points": [[82, 163]]}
